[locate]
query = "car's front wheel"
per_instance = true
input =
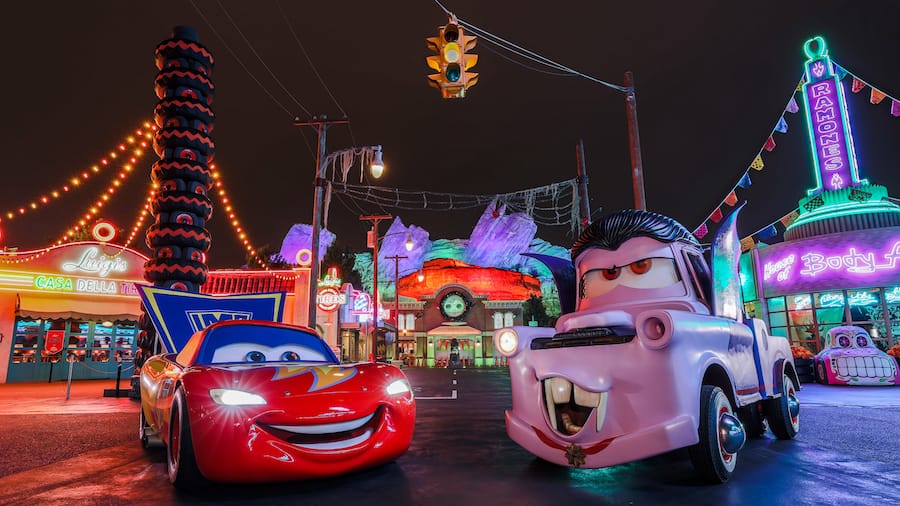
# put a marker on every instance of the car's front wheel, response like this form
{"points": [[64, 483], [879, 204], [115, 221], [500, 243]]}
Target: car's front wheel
{"points": [[180, 462], [721, 436], [821, 372], [783, 412]]}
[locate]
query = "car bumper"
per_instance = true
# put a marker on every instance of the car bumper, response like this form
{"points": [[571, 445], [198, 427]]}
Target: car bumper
{"points": [[671, 434]]}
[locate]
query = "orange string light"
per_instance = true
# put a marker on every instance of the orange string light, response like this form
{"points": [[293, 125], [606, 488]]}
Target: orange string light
{"points": [[137, 142], [230, 212]]}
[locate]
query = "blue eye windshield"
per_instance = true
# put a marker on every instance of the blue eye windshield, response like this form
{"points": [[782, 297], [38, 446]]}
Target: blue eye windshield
{"points": [[265, 336]]}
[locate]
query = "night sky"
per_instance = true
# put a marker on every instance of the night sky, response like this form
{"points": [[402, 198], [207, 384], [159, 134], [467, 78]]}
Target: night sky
{"points": [[712, 79]]}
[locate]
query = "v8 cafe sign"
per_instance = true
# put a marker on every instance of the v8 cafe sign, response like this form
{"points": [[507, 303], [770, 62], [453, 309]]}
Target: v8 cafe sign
{"points": [[330, 298]]}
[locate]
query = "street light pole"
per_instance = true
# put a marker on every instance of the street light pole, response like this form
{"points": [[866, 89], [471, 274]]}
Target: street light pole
{"points": [[396, 259], [321, 124], [374, 245], [634, 143]]}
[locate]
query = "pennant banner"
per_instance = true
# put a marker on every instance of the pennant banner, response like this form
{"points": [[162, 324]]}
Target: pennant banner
{"points": [[716, 216], [840, 71], [857, 85], [787, 220], [895, 107], [782, 126], [792, 106], [770, 144], [731, 199], [877, 96], [769, 232], [745, 181], [701, 231], [757, 163], [747, 243]]}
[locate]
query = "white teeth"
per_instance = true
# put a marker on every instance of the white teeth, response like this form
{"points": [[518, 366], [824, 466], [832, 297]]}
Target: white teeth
{"points": [[601, 410], [551, 406], [585, 398], [325, 428], [337, 445], [561, 389]]}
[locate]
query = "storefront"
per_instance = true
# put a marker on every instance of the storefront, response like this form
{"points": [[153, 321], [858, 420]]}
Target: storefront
{"points": [[72, 302], [838, 264]]}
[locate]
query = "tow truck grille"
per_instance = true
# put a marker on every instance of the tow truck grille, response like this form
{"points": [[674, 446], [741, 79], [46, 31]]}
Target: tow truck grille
{"points": [[590, 336]]}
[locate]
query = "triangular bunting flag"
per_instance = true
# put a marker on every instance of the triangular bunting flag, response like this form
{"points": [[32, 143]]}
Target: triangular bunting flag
{"points": [[731, 199], [781, 127], [747, 243], [840, 71], [757, 163], [857, 85], [792, 106], [745, 181], [701, 231], [770, 144], [716, 216], [787, 220], [877, 96], [895, 107], [769, 232], [800, 85]]}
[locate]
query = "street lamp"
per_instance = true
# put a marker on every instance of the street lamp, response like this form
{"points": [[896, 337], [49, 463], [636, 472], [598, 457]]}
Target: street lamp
{"points": [[321, 124]]}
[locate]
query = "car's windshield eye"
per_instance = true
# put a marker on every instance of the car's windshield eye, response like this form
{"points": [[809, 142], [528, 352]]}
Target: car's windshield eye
{"points": [[255, 356], [290, 356]]}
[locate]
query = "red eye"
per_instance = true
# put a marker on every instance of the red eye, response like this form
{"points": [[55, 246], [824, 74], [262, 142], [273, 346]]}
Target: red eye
{"points": [[611, 274], [641, 266]]}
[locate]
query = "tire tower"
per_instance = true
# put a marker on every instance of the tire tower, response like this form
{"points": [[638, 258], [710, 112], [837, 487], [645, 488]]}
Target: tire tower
{"points": [[181, 207]]}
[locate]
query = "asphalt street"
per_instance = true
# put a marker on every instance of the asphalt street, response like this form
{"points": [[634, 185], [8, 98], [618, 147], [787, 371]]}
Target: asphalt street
{"points": [[847, 453]]}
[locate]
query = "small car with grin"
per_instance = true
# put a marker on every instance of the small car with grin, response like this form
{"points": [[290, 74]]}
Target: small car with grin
{"points": [[257, 401]]}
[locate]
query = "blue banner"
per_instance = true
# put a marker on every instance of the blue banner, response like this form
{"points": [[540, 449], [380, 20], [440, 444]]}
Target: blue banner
{"points": [[178, 315]]}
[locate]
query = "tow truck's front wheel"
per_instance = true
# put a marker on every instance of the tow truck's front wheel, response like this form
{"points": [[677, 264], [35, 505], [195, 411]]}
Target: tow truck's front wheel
{"points": [[721, 436], [783, 412]]}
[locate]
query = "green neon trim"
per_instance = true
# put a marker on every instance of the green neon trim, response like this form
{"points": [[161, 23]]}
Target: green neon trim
{"points": [[848, 209]]}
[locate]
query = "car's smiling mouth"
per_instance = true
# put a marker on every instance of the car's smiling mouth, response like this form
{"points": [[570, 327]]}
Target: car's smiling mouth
{"points": [[328, 436], [569, 406]]}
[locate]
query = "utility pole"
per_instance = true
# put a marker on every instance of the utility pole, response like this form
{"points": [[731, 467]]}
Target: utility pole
{"points": [[634, 143], [321, 124], [582, 180], [373, 243], [396, 259]]}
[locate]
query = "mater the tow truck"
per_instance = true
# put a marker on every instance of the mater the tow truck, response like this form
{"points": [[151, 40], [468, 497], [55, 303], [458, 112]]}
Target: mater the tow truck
{"points": [[651, 354]]}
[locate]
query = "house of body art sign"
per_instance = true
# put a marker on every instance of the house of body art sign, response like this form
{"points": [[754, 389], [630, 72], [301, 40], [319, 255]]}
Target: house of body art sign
{"points": [[860, 259]]}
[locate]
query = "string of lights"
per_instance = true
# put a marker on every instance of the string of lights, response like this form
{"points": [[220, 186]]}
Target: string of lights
{"points": [[233, 220], [138, 141]]}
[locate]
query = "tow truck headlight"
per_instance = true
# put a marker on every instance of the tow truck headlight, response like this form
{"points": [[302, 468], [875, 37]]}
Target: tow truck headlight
{"points": [[507, 341], [227, 397]]}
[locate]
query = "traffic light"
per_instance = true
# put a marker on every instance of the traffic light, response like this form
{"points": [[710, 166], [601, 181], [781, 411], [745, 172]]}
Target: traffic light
{"points": [[452, 60]]}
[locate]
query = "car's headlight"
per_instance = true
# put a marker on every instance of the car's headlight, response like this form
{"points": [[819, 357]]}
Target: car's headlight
{"points": [[398, 387], [507, 341], [228, 397]]}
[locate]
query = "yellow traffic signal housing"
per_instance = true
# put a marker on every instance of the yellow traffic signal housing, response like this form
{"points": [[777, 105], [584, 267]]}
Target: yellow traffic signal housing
{"points": [[452, 60]]}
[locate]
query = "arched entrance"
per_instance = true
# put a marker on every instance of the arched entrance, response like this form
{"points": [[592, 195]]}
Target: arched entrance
{"points": [[455, 345]]}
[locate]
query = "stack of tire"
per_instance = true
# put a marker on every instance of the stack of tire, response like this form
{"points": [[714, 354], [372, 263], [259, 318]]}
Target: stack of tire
{"points": [[178, 237]]}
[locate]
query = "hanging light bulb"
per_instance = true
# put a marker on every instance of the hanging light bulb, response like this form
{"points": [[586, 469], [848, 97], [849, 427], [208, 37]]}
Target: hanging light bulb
{"points": [[377, 167], [421, 276], [409, 242]]}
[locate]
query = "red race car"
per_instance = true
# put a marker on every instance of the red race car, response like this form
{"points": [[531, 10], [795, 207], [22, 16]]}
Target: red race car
{"points": [[256, 401]]}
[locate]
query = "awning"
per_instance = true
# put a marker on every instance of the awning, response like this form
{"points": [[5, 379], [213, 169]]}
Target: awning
{"points": [[73, 315], [454, 330]]}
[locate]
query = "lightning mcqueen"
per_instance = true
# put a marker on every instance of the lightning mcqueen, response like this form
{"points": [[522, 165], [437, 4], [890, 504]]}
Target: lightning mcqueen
{"points": [[256, 401]]}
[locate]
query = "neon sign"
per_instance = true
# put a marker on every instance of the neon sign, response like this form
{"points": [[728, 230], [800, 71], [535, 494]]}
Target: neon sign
{"points": [[857, 259], [84, 285], [329, 298], [829, 126], [93, 262]]}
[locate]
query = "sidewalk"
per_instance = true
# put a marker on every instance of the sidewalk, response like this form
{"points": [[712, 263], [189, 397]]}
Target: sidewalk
{"points": [[86, 396], [814, 394]]}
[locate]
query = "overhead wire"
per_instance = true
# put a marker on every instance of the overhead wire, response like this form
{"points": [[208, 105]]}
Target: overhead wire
{"points": [[241, 62], [526, 53], [258, 57]]}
